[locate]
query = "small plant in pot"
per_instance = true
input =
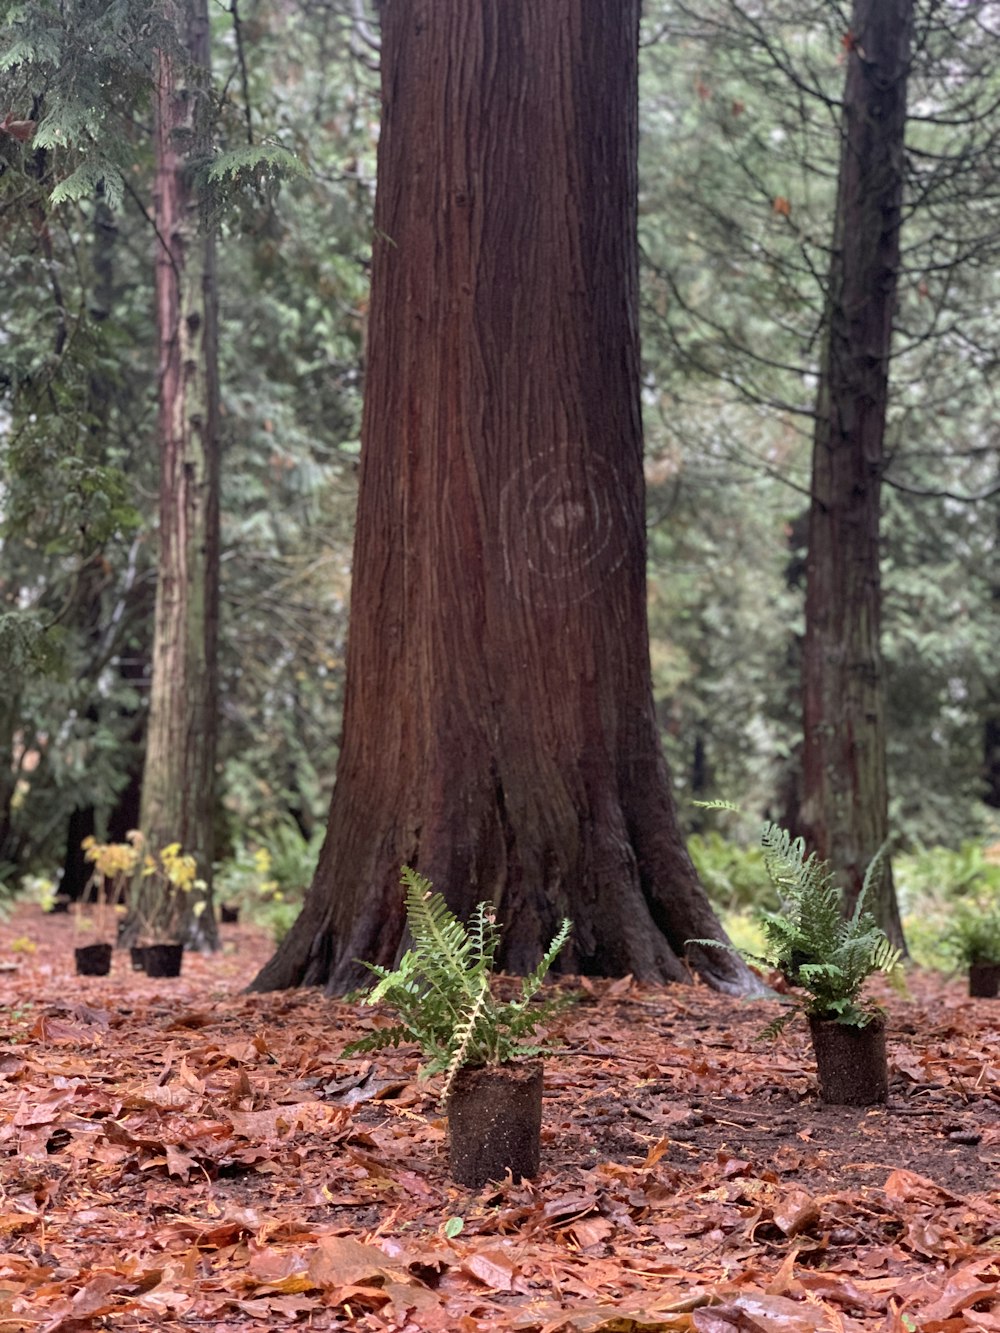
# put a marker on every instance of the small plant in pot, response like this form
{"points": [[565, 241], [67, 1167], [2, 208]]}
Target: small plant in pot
{"points": [[114, 864], [167, 891], [442, 995], [826, 958], [243, 881], [973, 937]]}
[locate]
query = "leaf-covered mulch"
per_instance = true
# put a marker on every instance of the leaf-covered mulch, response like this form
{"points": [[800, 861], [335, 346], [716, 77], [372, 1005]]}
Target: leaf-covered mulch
{"points": [[180, 1152]]}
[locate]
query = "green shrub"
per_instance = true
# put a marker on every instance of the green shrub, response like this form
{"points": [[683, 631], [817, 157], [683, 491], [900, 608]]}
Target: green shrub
{"points": [[244, 879], [973, 932], [267, 880], [293, 857], [942, 875], [734, 877], [931, 884]]}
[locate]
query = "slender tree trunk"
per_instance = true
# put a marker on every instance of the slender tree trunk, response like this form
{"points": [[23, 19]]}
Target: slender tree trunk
{"points": [[845, 805], [10, 716], [82, 821], [991, 703], [499, 731], [178, 801], [991, 757]]}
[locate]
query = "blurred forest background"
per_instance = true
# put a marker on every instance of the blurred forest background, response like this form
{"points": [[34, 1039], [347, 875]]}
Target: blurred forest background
{"points": [[739, 149]]}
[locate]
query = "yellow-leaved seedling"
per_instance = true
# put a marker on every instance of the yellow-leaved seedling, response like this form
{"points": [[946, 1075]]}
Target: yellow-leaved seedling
{"points": [[157, 885]]}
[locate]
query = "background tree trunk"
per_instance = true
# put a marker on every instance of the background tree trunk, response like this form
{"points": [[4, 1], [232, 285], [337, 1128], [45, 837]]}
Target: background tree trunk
{"points": [[82, 821], [499, 731], [845, 806], [179, 776]]}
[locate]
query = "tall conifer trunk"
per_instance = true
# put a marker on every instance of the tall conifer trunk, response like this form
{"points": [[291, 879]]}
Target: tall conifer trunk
{"points": [[178, 781], [499, 732], [845, 797]]}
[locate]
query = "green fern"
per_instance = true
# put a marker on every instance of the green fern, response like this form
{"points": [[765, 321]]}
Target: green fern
{"points": [[441, 989], [809, 940], [973, 932]]}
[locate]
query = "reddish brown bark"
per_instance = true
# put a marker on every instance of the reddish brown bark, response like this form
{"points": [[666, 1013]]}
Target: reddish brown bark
{"points": [[845, 797], [179, 775], [498, 729]]}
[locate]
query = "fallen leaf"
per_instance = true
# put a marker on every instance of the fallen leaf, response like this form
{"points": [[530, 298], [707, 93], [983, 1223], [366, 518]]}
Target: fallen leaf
{"points": [[795, 1212], [492, 1268]]}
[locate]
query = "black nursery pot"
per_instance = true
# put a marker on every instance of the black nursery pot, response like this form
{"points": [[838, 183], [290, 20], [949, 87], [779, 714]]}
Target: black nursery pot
{"points": [[851, 1062], [162, 960], [495, 1123], [137, 957], [984, 980], [93, 960], [228, 914]]}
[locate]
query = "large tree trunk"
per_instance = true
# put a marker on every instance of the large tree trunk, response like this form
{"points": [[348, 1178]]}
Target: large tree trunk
{"points": [[178, 787], [498, 726], [845, 806]]}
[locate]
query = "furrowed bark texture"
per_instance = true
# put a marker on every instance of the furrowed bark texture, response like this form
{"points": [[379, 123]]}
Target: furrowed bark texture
{"points": [[498, 728], [178, 780], [845, 805]]}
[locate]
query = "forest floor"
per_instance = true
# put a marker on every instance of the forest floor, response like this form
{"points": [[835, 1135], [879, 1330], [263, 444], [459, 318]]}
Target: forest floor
{"points": [[178, 1152]]}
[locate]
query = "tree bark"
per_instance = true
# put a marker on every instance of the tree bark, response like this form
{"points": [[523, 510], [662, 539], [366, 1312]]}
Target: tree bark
{"points": [[845, 790], [178, 787], [499, 731]]}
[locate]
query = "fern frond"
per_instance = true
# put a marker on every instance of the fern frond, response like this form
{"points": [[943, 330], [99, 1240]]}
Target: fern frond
{"points": [[397, 1035], [755, 959], [439, 938], [532, 982], [876, 867], [441, 988], [484, 934], [777, 1025], [464, 1037], [442, 948], [808, 937]]}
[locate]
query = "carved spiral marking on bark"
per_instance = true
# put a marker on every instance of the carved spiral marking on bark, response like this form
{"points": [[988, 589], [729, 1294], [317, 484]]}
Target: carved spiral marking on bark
{"points": [[563, 527]]}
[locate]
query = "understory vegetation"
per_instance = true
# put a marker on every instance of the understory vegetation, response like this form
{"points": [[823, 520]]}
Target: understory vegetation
{"points": [[934, 885]]}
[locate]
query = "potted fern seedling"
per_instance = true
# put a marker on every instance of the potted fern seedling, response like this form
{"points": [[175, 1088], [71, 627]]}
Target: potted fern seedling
{"points": [[444, 1002], [973, 937], [826, 958]]}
